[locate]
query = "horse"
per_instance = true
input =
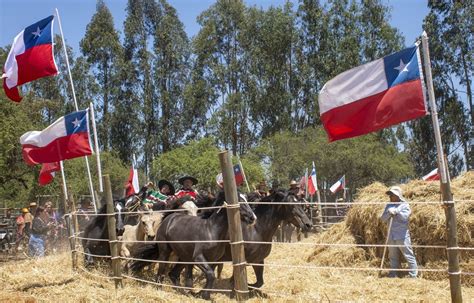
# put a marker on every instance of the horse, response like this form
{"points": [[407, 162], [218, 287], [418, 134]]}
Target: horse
{"points": [[145, 229], [179, 227], [270, 217], [97, 230]]}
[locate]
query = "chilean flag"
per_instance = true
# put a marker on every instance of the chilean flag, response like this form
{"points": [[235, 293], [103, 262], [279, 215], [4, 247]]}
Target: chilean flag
{"points": [[432, 176], [340, 184], [373, 96], [66, 138], [239, 177], [312, 182], [132, 186], [47, 173], [30, 58]]}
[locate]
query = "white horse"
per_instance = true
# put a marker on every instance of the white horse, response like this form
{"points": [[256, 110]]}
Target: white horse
{"points": [[146, 228]]}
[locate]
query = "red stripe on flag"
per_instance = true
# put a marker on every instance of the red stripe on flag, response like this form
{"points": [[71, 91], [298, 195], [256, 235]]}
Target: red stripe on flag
{"points": [[47, 173], [398, 104], [63, 148], [35, 63], [12, 93]]}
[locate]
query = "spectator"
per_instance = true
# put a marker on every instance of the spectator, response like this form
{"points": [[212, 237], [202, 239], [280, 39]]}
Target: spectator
{"points": [[39, 230], [399, 211]]}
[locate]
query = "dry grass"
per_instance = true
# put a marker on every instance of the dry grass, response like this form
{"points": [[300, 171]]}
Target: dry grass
{"points": [[51, 279]]}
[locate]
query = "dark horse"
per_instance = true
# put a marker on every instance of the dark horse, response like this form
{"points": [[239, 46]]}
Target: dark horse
{"points": [[269, 217], [97, 230], [179, 227]]}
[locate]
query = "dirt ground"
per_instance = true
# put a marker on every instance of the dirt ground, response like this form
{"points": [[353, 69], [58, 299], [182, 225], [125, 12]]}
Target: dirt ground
{"points": [[51, 279]]}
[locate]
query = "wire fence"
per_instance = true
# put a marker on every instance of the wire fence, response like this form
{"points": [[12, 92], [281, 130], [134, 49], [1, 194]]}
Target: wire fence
{"points": [[274, 265]]}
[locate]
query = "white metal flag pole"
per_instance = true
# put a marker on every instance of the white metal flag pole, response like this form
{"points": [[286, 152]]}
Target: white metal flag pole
{"points": [[91, 186], [306, 195], [97, 150], [63, 177], [243, 173], [452, 242], [135, 168]]}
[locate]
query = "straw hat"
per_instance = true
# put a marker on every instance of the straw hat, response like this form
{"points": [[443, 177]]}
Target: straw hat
{"points": [[25, 210], [32, 204], [182, 179], [293, 182], [397, 191]]}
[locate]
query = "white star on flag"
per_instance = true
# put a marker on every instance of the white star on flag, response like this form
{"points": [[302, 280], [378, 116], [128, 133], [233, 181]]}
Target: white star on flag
{"points": [[76, 123], [402, 67], [37, 33]]}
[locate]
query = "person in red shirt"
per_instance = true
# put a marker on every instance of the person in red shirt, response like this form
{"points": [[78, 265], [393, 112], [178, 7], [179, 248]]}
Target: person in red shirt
{"points": [[187, 182]]}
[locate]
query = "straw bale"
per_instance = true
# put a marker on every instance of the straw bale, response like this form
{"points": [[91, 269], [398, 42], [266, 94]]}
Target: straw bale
{"points": [[427, 224]]}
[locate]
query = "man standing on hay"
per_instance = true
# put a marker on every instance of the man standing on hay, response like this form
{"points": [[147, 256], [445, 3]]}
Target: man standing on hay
{"points": [[398, 212]]}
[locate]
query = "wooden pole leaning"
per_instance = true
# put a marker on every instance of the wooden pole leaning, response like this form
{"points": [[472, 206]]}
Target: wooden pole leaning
{"points": [[235, 229], [451, 230], [112, 233]]}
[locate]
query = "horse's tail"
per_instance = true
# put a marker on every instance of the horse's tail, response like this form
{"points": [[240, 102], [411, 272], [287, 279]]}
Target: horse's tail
{"points": [[147, 252]]}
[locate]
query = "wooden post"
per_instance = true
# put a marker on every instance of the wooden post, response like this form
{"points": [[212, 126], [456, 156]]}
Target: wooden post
{"points": [[451, 230], [112, 233], [75, 224], [235, 229], [70, 230]]}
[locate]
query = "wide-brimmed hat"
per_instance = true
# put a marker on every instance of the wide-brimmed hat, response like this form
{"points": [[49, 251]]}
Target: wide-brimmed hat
{"points": [[293, 182], [25, 210], [163, 182], [397, 191], [33, 204], [182, 179]]}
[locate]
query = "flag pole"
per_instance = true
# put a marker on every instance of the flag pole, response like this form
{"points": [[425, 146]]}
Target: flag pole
{"points": [[91, 186], [63, 177], [97, 150], [243, 173], [452, 242], [306, 184], [134, 165]]}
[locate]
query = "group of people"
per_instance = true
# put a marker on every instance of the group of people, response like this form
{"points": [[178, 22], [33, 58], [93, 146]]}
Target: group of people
{"points": [[39, 225], [166, 191]]}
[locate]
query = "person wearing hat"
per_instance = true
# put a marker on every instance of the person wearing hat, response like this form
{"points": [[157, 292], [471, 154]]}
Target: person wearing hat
{"points": [[187, 190], [28, 216], [165, 190], [398, 211], [294, 187]]}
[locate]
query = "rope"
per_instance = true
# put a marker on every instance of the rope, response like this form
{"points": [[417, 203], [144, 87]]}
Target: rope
{"points": [[174, 262], [357, 203], [92, 255], [343, 268], [174, 286], [95, 275], [183, 241], [344, 244]]}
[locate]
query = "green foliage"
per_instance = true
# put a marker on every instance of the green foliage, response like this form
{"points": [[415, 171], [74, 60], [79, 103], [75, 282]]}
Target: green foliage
{"points": [[363, 160], [198, 159]]}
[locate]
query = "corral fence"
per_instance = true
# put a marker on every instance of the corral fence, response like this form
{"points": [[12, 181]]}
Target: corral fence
{"points": [[238, 260]]}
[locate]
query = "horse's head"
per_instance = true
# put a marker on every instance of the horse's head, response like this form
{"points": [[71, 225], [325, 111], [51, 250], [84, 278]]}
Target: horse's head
{"points": [[191, 208], [291, 210], [246, 212], [119, 208], [149, 222]]}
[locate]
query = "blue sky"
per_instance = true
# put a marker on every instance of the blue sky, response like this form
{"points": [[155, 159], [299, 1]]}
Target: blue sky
{"points": [[407, 15]]}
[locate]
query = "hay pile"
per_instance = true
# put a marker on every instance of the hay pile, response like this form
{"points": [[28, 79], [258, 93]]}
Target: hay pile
{"points": [[427, 226]]}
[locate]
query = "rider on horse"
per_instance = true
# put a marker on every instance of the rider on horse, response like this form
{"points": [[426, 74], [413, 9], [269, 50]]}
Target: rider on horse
{"points": [[166, 189], [187, 190]]}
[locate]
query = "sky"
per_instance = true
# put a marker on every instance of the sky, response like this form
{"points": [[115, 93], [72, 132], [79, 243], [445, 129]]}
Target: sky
{"points": [[15, 15]]}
